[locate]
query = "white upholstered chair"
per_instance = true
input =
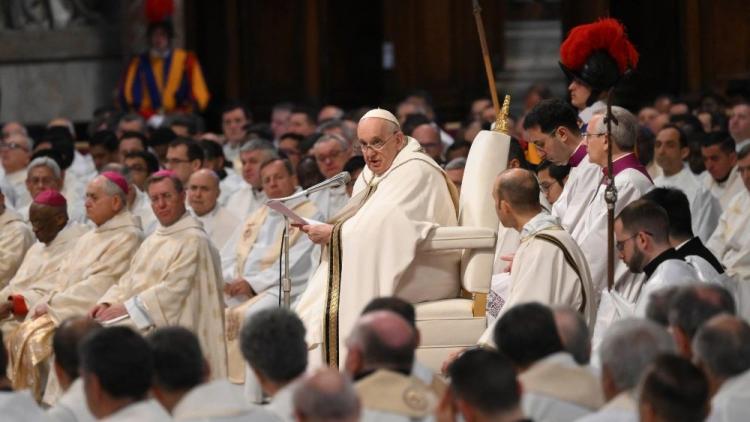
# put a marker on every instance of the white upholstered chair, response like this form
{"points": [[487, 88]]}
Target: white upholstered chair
{"points": [[452, 324]]}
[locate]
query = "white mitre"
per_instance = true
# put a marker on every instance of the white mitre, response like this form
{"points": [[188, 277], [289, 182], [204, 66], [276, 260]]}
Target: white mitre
{"points": [[380, 113]]}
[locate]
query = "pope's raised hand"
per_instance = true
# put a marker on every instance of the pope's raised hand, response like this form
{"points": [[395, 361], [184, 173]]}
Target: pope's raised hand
{"points": [[318, 233]]}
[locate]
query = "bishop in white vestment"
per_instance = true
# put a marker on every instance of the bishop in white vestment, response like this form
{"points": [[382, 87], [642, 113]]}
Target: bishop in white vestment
{"points": [[15, 240]]}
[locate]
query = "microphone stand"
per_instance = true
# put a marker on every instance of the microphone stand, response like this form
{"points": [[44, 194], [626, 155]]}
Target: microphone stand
{"points": [[286, 280]]}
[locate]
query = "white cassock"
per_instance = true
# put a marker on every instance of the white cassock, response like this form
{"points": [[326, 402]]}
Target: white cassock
{"points": [[38, 273], [17, 181], [96, 262], [622, 408], [230, 184], [83, 166], [72, 405], [556, 389], [218, 401], [725, 190], [245, 201], [141, 411], [583, 181], [705, 208], [219, 224], [175, 279], [19, 406], [330, 201], [141, 208], [731, 240], [731, 402], [253, 254], [15, 239], [373, 250], [232, 155], [549, 268], [591, 231], [74, 191], [281, 404]]}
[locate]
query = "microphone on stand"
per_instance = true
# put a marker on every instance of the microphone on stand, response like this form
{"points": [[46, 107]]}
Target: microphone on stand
{"points": [[337, 180]]}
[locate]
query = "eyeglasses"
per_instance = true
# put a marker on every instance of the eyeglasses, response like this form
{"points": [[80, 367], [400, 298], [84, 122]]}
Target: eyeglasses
{"points": [[376, 146], [620, 244], [596, 135], [544, 186], [13, 145]]}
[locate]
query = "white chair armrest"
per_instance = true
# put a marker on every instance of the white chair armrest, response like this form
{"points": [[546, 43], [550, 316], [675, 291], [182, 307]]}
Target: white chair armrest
{"points": [[444, 238]]}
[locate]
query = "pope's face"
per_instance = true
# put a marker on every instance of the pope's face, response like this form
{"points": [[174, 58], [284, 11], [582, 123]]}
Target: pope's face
{"points": [[380, 143], [168, 204]]}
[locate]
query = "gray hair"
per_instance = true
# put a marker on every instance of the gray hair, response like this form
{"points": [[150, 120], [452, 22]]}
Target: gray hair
{"points": [[260, 145], [49, 163], [25, 137], [725, 351], [343, 143], [132, 117], [574, 333], [327, 395], [112, 189], [346, 130], [624, 127], [456, 164], [630, 346]]}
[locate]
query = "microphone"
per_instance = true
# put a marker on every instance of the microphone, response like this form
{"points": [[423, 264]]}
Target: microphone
{"points": [[337, 180]]}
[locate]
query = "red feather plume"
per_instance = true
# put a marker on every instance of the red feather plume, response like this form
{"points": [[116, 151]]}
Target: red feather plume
{"points": [[158, 10], [606, 34]]}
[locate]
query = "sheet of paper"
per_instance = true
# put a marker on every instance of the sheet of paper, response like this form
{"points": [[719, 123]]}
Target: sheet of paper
{"points": [[294, 218]]}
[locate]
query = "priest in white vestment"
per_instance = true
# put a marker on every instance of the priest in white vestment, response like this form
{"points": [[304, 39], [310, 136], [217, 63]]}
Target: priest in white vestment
{"points": [[38, 272], [631, 181], [15, 153], [96, 262], [722, 176], [44, 173], [731, 240], [245, 200], [252, 258], [642, 241], [331, 152], [15, 240], [548, 266], [173, 279], [203, 193], [670, 149], [371, 248]]}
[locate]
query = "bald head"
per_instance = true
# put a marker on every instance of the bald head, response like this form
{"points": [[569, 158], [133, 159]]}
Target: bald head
{"points": [[381, 340], [516, 195], [47, 221], [203, 191], [326, 395]]}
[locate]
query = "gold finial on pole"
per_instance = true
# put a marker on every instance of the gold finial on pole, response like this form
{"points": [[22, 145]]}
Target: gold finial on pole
{"points": [[501, 124]]}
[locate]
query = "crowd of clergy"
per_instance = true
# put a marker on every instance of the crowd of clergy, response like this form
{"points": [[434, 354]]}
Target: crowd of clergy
{"points": [[140, 275]]}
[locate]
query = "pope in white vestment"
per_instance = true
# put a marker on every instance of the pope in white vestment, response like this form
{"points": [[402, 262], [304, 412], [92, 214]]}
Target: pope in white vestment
{"points": [[15, 240], [372, 246]]}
